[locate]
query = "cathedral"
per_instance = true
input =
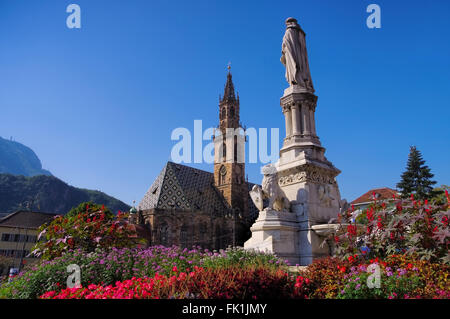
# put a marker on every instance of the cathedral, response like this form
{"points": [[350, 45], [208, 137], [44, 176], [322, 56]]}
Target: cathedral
{"points": [[186, 206]]}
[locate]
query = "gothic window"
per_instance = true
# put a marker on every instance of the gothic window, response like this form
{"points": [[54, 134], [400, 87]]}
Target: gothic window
{"points": [[222, 175], [224, 151], [163, 234], [232, 111], [224, 113]]}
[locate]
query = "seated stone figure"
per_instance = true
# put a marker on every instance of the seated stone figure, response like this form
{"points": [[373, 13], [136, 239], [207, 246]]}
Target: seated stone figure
{"points": [[271, 191]]}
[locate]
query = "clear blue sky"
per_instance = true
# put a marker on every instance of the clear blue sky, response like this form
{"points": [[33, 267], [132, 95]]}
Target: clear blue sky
{"points": [[98, 104]]}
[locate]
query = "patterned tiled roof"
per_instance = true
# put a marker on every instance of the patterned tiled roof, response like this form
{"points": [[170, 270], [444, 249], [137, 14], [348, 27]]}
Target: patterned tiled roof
{"points": [[187, 188]]}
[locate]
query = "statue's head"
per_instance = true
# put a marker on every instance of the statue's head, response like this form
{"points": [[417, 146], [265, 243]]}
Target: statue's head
{"points": [[268, 170], [292, 23]]}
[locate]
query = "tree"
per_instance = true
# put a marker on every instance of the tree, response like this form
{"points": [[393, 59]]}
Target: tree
{"points": [[417, 177]]}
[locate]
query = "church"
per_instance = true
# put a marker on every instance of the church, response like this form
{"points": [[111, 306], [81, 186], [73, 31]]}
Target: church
{"points": [[186, 206]]}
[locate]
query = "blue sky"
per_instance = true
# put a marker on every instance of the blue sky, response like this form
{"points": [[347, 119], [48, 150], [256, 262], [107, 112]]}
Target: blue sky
{"points": [[98, 104]]}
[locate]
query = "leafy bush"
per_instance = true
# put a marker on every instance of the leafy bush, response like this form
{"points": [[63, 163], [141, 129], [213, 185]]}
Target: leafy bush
{"points": [[326, 275], [401, 276], [89, 207], [86, 230], [242, 258], [411, 227]]}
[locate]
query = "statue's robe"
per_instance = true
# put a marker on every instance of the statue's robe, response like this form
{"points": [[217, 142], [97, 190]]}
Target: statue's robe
{"points": [[295, 58]]}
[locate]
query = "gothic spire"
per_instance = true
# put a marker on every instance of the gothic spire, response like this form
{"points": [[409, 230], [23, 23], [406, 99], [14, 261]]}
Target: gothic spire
{"points": [[229, 87]]}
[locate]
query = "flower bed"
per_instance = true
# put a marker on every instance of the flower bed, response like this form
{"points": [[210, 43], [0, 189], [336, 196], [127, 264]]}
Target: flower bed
{"points": [[401, 276], [216, 283], [107, 267]]}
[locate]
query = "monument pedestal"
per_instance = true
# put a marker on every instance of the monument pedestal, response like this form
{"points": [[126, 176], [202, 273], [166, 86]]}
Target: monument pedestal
{"points": [[276, 232], [308, 181]]}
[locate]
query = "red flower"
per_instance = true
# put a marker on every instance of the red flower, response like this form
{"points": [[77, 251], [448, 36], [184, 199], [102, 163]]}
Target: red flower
{"points": [[351, 230], [174, 269]]}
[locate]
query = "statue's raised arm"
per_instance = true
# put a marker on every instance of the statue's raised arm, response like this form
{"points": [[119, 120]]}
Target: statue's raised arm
{"points": [[294, 56]]}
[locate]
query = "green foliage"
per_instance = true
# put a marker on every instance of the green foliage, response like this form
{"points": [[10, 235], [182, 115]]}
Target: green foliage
{"points": [[89, 207], [411, 227], [440, 197], [105, 267], [393, 286], [417, 177], [86, 230], [242, 258], [48, 194]]}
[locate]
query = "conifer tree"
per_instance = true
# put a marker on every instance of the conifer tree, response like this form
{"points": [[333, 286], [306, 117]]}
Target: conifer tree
{"points": [[417, 177]]}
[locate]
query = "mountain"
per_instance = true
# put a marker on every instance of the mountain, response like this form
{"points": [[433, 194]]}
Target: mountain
{"points": [[18, 159], [48, 194]]}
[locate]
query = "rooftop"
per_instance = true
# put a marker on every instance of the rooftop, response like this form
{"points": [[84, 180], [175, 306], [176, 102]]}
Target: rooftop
{"points": [[384, 193], [26, 219]]}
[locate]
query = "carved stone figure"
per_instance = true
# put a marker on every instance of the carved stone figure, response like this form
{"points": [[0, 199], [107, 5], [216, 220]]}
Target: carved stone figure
{"points": [[325, 197], [294, 56], [270, 190]]}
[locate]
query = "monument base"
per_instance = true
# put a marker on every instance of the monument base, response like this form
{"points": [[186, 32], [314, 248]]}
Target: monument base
{"points": [[282, 234], [276, 232]]}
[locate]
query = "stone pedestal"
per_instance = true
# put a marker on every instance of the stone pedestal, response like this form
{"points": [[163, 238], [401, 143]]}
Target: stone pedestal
{"points": [[307, 178], [276, 232], [308, 181]]}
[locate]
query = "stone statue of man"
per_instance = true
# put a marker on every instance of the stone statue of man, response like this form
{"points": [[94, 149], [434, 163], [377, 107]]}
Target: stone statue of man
{"points": [[294, 56]]}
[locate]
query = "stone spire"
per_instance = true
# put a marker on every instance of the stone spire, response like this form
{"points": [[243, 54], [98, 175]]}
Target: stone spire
{"points": [[229, 105], [229, 149], [228, 94]]}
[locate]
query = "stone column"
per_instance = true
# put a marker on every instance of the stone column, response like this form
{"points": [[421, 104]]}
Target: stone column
{"points": [[288, 120], [295, 119], [306, 121], [313, 121]]}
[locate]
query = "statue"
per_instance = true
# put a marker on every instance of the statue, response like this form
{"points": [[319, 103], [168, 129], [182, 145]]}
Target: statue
{"points": [[294, 56], [270, 190], [325, 197]]}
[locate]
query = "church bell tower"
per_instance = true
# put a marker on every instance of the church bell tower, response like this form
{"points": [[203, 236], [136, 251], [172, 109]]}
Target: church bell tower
{"points": [[229, 152]]}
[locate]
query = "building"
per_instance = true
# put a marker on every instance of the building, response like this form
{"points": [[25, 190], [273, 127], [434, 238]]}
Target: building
{"points": [[380, 194], [18, 234], [186, 206]]}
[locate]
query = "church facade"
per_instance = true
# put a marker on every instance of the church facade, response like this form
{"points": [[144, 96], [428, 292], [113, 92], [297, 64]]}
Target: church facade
{"points": [[186, 206]]}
